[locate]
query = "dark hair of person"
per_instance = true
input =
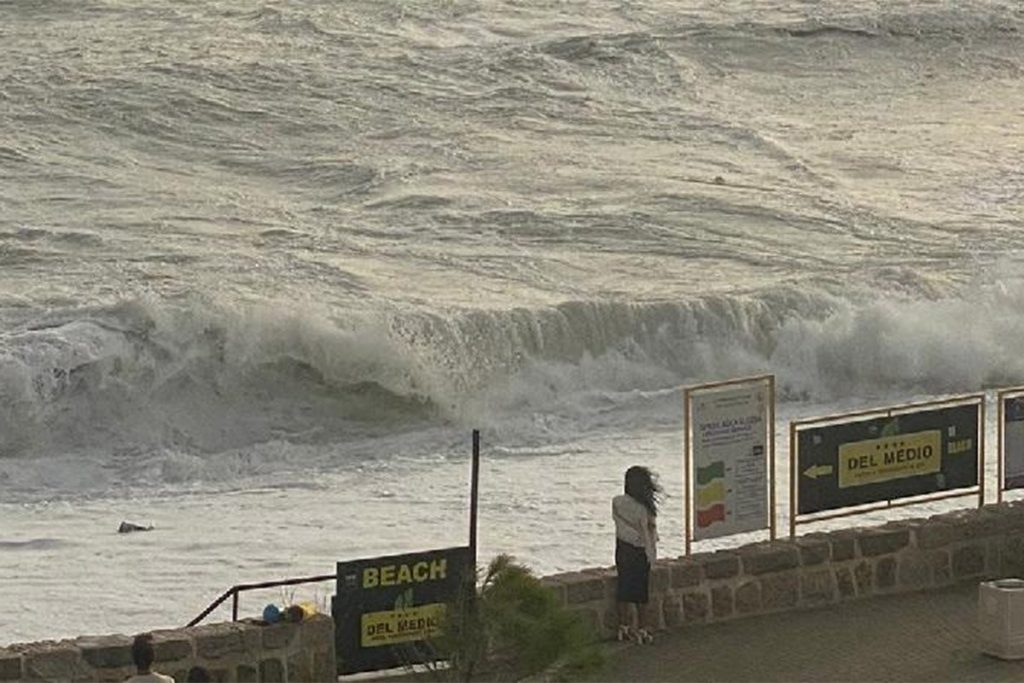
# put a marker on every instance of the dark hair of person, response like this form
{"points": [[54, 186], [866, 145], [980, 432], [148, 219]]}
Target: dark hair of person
{"points": [[142, 652], [642, 486], [198, 674]]}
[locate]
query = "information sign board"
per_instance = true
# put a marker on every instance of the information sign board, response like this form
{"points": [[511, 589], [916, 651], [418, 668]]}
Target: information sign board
{"points": [[728, 435], [387, 608], [884, 458]]}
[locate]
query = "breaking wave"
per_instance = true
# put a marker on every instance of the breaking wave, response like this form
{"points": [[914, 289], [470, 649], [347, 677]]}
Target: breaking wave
{"points": [[204, 377]]}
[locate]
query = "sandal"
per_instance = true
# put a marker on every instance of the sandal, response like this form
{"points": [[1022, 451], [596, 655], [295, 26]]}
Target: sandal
{"points": [[643, 636], [625, 634]]}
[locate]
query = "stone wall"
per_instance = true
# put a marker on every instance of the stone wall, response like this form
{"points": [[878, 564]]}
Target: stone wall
{"points": [[240, 651], [814, 570]]}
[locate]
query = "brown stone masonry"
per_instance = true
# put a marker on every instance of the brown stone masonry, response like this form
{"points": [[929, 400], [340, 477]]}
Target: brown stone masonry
{"points": [[814, 570]]}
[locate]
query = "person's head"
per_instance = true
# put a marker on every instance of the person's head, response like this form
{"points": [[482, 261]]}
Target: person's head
{"points": [[142, 652], [642, 486], [198, 674]]}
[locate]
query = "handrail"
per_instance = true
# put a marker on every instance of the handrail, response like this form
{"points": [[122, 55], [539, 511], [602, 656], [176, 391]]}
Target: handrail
{"points": [[239, 588]]}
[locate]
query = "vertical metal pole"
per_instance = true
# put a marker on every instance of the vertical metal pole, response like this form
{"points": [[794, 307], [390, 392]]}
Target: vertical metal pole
{"points": [[771, 457], [1001, 445], [793, 481], [981, 452], [234, 606], [687, 468], [474, 494]]}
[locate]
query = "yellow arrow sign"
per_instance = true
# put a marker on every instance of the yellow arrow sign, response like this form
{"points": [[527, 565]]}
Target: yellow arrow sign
{"points": [[815, 471]]}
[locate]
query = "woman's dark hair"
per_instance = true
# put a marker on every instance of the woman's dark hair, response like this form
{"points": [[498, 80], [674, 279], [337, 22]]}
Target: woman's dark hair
{"points": [[642, 486]]}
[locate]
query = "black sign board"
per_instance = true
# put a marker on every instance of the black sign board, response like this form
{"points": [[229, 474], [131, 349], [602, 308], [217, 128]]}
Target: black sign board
{"points": [[888, 457], [386, 608]]}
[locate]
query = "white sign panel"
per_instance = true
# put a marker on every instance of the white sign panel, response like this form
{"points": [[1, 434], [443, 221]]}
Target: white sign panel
{"points": [[1013, 443], [729, 476]]}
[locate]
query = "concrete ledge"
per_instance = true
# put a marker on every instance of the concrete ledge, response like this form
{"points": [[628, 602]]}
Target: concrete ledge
{"points": [[234, 652], [817, 569]]}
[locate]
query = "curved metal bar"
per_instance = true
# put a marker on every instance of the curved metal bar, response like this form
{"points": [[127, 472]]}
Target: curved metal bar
{"points": [[235, 590]]}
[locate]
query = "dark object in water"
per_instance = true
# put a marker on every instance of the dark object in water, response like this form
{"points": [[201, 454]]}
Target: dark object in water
{"points": [[128, 527]]}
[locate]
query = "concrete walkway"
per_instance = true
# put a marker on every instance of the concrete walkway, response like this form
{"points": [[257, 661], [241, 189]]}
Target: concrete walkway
{"points": [[928, 636]]}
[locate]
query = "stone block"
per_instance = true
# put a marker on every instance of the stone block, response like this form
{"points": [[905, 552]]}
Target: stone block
{"points": [[300, 668], [817, 586], [1013, 515], [942, 572], [844, 583], [721, 602], [780, 591], [863, 575], [768, 558], [583, 588], [875, 542], [747, 598], [170, 646], [318, 632], [219, 640], [685, 573], [557, 589], [219, 675], [10, 665], [843, 545], [105, 652], [661, 579], [672, 611], [695, 607], [933, 534], [720, 565], [993, 556], [272, 671], [611, 586], [246, 674], [914, 571], [814, 549], [324, 666], [277, 636], [968, 561], [653, 613], [1012, 556], [54, 661], [885, 573]]}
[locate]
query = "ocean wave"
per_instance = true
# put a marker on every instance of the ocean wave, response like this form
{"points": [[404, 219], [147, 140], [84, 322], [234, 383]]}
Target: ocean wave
{"points": [[208, 378]]}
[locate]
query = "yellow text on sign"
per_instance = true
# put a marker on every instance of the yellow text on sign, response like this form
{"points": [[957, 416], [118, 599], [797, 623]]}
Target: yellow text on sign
{"points": [[401, 626], [398, 574], [888, 458]]}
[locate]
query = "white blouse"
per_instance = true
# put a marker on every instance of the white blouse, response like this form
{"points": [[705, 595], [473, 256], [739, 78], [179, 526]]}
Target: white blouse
{"points": [[635, 525]]}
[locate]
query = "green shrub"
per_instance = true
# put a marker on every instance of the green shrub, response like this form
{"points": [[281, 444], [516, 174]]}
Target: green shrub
{"points": [[515, 628]]}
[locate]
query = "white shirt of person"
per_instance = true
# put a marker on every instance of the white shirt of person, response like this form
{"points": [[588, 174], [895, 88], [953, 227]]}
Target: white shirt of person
{"points": [[151, 677], [634, 524]]}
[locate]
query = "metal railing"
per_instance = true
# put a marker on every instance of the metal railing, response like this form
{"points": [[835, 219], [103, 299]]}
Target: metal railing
{"points": [[242, 587]]}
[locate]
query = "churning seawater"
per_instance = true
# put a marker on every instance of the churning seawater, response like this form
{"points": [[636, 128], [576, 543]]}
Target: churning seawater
{"points": [[263, 265]]}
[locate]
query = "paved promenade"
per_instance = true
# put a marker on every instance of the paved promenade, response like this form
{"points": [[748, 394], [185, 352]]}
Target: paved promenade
{"points": [[929, 636]]}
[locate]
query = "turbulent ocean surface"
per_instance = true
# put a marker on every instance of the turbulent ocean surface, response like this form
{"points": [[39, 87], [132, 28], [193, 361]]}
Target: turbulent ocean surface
{"points": [[263, 266]]}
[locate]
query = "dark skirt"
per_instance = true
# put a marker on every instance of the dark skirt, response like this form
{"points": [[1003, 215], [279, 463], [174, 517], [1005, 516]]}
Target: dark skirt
{"points": [[634, 573]]}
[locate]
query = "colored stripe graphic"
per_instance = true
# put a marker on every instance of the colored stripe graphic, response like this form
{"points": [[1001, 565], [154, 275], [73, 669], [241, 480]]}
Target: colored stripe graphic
{"points": [[715, 513], [716, 470], [711, 494]]}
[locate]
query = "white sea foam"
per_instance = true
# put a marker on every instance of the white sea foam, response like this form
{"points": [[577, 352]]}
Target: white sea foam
{"points": [[261, 270]]}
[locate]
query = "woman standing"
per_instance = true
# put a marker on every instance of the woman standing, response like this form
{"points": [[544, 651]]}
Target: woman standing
{"points": [[636, 539]]}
